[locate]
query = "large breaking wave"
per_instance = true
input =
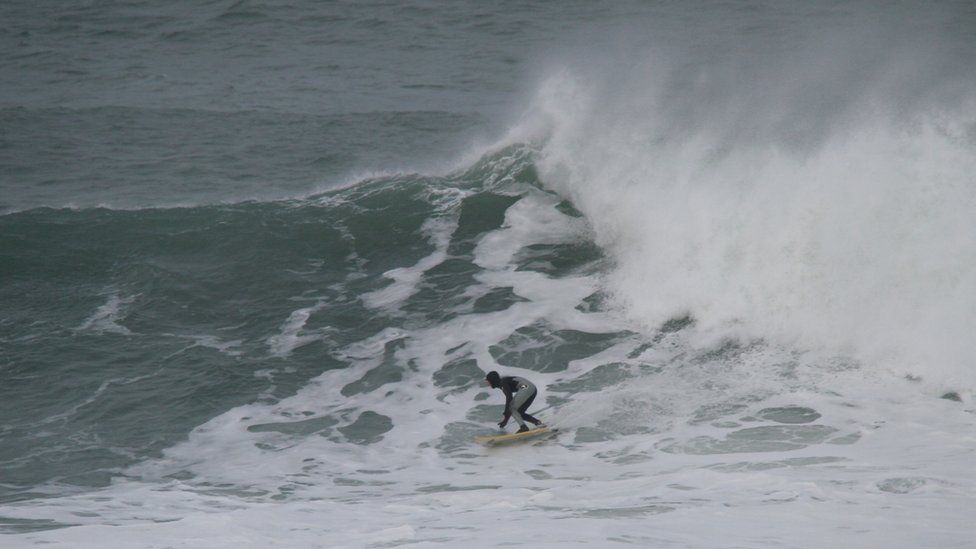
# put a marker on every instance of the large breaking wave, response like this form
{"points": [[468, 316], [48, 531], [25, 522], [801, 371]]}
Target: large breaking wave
{"points": [[821, 196]]}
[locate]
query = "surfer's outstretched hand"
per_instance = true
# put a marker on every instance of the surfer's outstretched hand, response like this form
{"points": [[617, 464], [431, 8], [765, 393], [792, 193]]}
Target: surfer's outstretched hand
{"points": [[502, 423]]}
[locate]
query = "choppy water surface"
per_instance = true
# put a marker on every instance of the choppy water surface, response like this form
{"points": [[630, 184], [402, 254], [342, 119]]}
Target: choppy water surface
{"points": [[255, 260]]}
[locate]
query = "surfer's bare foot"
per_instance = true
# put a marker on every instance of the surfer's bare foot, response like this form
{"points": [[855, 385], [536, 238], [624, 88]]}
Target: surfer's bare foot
{"points": [[523, 429]]}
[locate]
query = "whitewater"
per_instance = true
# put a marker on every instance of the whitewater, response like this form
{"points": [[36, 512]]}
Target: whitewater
{"points": [[734, 247]]}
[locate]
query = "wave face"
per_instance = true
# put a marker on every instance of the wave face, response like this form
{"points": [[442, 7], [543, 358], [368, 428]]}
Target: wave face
{"points": [[170, 316], [266, 362], [731, 246]]}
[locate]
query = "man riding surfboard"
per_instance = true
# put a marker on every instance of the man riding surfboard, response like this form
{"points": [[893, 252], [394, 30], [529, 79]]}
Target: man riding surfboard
{"points": [[519, 394]]}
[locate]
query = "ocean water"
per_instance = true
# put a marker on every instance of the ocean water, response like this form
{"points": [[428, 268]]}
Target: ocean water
{"points": [[256, 257]]}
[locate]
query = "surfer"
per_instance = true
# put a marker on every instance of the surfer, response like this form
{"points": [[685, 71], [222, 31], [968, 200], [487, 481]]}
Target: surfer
{"points": [[519, 394]]}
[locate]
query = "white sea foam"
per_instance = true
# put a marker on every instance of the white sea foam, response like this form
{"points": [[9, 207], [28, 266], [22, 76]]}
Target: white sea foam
{"points": [[293, 334], [230, 348], [405, 279], [859, 485], [533, 219], [854, 237], [845, 225], [681, 450], [106, 317]]}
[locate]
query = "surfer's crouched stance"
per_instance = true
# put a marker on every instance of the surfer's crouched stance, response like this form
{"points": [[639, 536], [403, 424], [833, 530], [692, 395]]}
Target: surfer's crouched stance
{"points": [[519, 394]]}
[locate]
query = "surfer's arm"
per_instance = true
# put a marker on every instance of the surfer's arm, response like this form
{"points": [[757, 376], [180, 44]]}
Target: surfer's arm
{"points": [[508, 406]]}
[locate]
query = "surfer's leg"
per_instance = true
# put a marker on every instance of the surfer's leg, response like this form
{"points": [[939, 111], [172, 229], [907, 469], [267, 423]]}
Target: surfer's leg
{"points": [[523, 407], [519, 405]]}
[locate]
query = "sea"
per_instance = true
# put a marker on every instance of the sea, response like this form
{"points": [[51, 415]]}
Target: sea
{"points": [[256, 258]]}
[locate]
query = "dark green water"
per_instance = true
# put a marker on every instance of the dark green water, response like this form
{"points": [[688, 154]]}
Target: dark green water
{"points": [[124, 330]]}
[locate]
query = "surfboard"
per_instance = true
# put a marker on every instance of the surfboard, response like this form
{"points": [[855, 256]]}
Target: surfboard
{"points": [[493, 440]]}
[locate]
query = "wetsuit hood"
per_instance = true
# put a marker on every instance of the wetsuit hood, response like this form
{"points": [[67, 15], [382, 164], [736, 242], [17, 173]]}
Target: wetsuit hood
{"points": [[493, 379]]}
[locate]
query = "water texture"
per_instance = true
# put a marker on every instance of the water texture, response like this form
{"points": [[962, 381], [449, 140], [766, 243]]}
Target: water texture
{"points": [[256, 258]]}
